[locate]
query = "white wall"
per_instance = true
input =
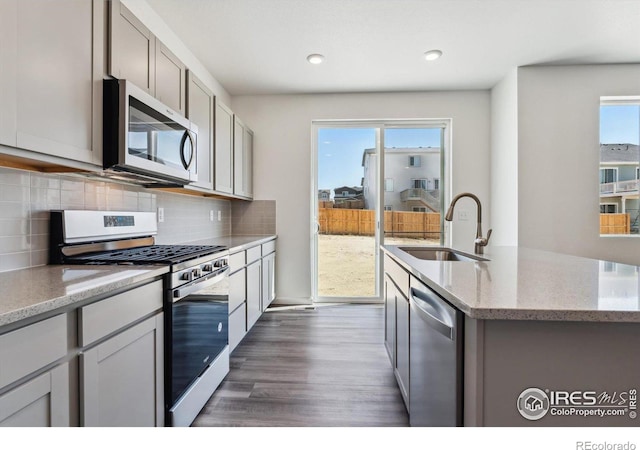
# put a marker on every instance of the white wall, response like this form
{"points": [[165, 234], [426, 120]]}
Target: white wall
{"points": [[558, 158], [282, 160], [504, 160], [143, 11]]}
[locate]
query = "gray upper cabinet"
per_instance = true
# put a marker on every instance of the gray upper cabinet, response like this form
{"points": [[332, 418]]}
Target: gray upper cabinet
{"points": [[200, 108], [135, 54], [132, 47], [223, 149], [51, 74], [242, 159], [170, 79]]}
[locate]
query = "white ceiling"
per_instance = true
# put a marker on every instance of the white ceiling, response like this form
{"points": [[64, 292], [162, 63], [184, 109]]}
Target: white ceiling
{"points": [[260, 46]]}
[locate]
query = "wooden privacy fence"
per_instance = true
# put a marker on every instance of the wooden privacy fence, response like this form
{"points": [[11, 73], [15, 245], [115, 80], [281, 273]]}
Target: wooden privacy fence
{"points": [[361, 222], [615, 223]]}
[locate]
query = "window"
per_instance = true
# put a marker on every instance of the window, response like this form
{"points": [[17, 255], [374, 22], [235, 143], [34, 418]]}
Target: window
{"points": [[414, 161], [419, 183], [345, 193], [608, 176], [419, 209], [608, 208], [388, 208], [637, 173], [436, 184], [619, 164], [388, 184]]}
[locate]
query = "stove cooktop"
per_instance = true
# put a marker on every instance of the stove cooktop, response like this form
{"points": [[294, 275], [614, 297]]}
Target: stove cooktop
{"points": [[152, 254]]}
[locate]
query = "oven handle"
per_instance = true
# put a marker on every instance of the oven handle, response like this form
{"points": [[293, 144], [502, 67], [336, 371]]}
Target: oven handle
{"points": [[200, 283]]}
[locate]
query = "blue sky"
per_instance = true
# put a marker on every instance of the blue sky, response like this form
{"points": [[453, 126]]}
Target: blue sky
{"points": [[340, 149]]}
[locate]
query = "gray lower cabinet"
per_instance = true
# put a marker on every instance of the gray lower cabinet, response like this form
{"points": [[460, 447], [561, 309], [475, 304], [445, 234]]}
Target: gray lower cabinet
{"points": [[200, 110], [237, 306], [268, 279], [122, 378], [122, 359], [34, 376], [52, 57], [397, 317], [40, 402], [254, 291]]}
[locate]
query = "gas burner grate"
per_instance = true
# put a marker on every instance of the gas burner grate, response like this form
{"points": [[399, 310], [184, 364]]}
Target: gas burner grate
{"points": [[164, 254]]}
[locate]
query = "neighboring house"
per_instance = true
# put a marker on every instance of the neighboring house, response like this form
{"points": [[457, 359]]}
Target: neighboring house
{"points": [[619, 174], [324, 195], [411, 179], [348, 197]]}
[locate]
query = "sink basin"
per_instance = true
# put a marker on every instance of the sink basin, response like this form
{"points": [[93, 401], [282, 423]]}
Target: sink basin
{"points": [[440, 254]]}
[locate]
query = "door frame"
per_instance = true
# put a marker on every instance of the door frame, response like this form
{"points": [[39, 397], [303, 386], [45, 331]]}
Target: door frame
{"points": [[380, 126]]}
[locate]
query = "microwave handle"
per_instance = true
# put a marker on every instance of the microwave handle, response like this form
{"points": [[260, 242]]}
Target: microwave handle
{"points": [[187, 163]]}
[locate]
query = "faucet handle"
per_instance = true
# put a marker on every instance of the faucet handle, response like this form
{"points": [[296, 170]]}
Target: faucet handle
{"points": [[488, 235]]}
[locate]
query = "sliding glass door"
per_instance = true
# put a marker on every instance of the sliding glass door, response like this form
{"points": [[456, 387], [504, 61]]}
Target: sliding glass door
{"points": [[373, 183]]}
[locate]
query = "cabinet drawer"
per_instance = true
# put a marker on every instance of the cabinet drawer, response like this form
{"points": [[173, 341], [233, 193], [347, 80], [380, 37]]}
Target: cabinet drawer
{"points": [[237, 289], [399, 276], [268, 247], [254, 254], [236, 261], [237, 326], [28, 349], [106, 316]]}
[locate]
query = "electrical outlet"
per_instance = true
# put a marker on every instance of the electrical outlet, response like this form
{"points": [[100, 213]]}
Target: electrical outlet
{"points": [[160, 214], [211, 215], [463, 215], [219, 216]]}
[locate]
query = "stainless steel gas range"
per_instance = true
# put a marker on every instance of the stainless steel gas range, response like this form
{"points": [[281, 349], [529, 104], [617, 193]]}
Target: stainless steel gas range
{"points": [[195, 303]]}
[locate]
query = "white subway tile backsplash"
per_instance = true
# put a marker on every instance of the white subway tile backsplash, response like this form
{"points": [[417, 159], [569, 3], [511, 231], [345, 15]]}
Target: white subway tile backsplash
{"points": [[13, 193], [14, 177], [13, 261], [13, 210], [14, 244], [14, 227]]}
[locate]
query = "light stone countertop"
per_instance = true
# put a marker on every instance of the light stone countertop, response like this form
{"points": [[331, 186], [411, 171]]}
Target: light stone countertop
{"points": [[525, 284], [30, 292], [236, 243]]}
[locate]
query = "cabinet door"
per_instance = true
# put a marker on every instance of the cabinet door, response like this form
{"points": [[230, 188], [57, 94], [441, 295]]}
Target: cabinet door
{"points": [[238, 157], [237, 289], [200, 106], [223, 149], [51, 77], [268, 280], [248, 162], [132, 48], [122, 378], [237, 326], [402, 345], [41, 402], [170, 75], [390, 319], [254, 291]]}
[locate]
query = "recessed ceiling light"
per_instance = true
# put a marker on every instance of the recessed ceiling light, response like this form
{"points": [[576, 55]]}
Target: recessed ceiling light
{"points": [[432, 55], [315, 58]]}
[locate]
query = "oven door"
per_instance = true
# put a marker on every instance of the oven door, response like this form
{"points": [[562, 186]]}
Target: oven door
{"points": [[196, 330]]}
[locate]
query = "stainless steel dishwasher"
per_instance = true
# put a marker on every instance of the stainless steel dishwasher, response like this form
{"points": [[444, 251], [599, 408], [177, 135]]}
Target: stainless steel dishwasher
{"points": [[435, 359]]}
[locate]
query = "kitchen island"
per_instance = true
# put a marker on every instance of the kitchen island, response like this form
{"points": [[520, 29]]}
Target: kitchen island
{"points": [[564, 329]]}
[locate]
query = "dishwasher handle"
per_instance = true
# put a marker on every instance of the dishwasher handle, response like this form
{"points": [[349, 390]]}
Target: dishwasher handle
{"points": [[429, 308]]}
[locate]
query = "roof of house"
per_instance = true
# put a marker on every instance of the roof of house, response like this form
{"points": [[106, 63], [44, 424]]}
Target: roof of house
{"points": [[620, 153], [352, 188]]}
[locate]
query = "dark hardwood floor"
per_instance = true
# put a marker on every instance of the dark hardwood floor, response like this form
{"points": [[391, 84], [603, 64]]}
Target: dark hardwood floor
{"points": [[310, 367]]}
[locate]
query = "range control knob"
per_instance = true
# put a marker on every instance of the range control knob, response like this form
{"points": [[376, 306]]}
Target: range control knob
{"points": [[208, 267], [220, 263], [196, 272], [187, 276]]}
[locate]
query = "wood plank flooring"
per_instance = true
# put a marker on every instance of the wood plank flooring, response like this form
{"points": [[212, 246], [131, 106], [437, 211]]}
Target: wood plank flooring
{"points": [[310, 367]]}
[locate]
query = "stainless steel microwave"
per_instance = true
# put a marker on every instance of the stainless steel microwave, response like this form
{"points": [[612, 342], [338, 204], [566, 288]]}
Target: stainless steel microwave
{"points": [[145, 141]]}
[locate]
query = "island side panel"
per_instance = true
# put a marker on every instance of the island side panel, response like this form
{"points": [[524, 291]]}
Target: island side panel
{"points": [[558, 356], [473, 372]]}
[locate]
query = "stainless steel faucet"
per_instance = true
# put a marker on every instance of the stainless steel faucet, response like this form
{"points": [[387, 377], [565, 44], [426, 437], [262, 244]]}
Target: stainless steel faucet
{"points": [[480, 242]]}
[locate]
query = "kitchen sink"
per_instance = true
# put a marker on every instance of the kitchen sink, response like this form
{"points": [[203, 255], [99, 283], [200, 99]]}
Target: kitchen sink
{"points": [[440, 254]]}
